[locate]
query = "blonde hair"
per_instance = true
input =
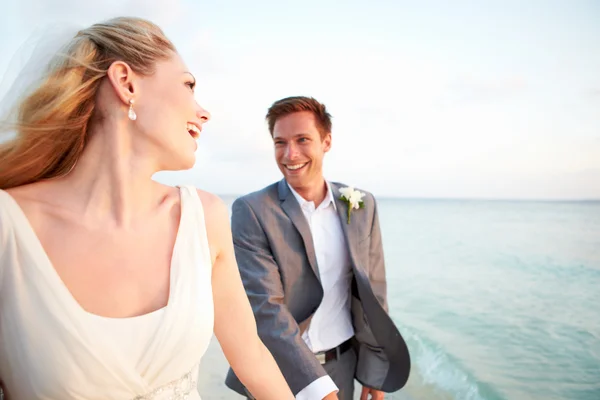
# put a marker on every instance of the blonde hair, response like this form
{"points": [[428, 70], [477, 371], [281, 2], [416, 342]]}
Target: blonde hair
{"points": [[52, 122]]}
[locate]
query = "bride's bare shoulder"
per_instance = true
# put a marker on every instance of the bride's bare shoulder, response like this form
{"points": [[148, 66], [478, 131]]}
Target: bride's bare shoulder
{"points": [[32, 199], [215, 209], [26, 193], [216, 216], [210, 200]]}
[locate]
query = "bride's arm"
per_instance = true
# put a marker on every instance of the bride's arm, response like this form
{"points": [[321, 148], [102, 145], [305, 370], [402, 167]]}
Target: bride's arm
{"points": [[235, 326]]}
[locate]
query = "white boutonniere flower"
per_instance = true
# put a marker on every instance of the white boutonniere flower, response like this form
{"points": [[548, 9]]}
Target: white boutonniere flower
{"points": [[353, 198]]}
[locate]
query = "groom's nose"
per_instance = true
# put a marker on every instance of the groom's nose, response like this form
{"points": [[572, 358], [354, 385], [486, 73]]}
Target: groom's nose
{"points": [[291, 152]]}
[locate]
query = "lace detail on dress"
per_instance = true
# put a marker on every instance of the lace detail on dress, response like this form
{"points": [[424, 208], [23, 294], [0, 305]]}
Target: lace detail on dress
{"points": [[179, 389]]}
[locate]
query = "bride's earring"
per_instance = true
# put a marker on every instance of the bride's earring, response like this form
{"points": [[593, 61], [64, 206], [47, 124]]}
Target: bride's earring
{"points": [[132, 115]]}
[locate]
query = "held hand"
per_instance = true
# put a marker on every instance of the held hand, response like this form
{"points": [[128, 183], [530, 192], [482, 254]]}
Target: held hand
{"points": [[375, 394], [331, 396]]}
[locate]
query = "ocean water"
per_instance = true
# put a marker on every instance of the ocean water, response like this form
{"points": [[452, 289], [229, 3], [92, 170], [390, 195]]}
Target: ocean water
{"points": [[496, 299]]}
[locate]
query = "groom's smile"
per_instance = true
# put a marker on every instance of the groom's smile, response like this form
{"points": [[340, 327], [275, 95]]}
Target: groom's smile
{"points": [[296, 167]]}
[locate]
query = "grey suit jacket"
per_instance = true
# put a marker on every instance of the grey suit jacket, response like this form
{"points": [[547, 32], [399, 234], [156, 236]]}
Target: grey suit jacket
{"points": [[276, 258]]}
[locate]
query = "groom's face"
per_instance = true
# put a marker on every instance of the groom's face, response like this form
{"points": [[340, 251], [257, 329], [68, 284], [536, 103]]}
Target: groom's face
{"points": [[300, 148]]}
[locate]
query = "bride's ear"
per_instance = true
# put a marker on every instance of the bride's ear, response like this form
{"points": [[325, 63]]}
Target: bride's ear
{"points": [[123, 80]]}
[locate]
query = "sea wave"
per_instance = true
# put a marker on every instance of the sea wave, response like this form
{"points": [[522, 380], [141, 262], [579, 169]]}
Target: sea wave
{"points": [[438, 368]]}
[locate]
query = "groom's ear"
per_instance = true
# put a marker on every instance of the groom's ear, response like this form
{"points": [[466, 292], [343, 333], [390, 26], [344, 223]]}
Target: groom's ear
{"points": [[326, 142]]}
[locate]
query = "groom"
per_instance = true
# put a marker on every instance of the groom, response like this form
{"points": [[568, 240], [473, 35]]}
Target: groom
{"points": [[315, 274]]}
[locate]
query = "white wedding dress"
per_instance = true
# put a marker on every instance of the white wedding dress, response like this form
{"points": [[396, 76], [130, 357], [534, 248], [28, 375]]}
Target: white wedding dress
{"points": [[52, 349]]}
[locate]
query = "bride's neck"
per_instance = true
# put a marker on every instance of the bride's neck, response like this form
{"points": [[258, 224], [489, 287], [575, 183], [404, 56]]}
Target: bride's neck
{"points": [[112, 178]]}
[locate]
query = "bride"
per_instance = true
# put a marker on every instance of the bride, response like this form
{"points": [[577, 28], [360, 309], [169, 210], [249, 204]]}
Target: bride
{"points": [[111, 284]]}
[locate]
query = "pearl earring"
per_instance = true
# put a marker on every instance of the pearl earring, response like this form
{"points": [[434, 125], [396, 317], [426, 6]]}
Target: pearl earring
{"points": [[132, 115]]}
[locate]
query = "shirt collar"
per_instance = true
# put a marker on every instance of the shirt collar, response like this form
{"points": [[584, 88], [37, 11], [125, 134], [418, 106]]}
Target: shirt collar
{"points": [[328, 198]]}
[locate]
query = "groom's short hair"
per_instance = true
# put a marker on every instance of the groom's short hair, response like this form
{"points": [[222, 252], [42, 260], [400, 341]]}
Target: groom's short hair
{"points": [[290, 105]]}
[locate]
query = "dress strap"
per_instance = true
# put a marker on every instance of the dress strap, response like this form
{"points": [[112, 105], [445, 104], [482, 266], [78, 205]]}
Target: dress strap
{"points": [[194, 208]]}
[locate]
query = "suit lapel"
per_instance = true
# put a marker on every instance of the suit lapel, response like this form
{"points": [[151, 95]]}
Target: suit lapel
{"points": [[290, 206], [350, 230]]}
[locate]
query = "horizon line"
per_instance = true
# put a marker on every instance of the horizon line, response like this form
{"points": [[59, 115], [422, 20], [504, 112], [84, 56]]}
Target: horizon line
{"points": [[441, 198]]}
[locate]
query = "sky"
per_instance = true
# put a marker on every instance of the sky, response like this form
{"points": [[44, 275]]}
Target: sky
{"points": [[430, 99]]}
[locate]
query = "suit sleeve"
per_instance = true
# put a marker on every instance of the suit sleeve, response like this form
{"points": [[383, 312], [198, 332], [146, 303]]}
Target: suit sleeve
{"points": [[376, 260], [277, 328]]}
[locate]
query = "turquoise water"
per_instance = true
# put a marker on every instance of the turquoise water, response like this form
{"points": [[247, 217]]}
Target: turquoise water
{"points": [[497, 300]]}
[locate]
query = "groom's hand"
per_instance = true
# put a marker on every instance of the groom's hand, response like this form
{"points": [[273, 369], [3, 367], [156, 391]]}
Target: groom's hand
{"points": [[331, 396], [375, 394]]}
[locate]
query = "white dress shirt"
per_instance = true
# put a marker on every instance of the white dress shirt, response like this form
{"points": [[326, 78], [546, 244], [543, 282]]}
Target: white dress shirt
{"points": [[331, 324]]}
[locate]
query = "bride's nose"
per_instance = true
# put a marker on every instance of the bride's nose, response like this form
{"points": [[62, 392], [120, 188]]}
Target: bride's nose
{"points": [[203, 114]]}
